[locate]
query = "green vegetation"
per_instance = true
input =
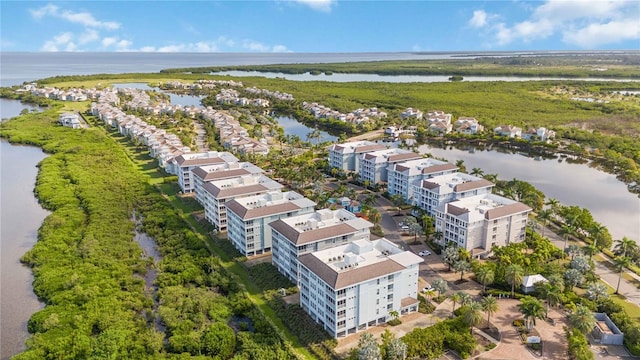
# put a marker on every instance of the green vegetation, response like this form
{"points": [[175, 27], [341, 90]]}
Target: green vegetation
{"points": [[88, 270], [561, 66], [431, 342], [578, 345]]}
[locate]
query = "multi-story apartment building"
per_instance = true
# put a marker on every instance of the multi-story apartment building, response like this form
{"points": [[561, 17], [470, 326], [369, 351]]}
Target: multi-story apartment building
{"points": [[218, 193], [351, 287], [435, 191], [403, 176], [248, 218], [479, 223], [303, 234], [185, 163], [373, 165], [220, 171], [345, 156]]}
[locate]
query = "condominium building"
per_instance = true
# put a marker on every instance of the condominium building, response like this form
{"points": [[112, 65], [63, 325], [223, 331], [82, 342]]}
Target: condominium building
{"points": [[373, 165], [479, 223], [351, 287], [185, 163], [220, 171], [403, 176], [218, 193], [248, 218], [303, 234], [435, 191], [345, 156]]}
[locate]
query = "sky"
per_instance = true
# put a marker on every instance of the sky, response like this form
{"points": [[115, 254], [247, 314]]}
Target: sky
{"points": [[319, 25]]}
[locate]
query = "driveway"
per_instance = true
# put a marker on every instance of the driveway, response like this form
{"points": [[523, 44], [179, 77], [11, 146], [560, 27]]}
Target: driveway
{"points": [[553, 337]]}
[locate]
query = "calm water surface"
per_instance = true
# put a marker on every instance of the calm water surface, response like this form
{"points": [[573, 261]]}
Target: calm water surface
{"points": [[20, 218], [606, 197]]}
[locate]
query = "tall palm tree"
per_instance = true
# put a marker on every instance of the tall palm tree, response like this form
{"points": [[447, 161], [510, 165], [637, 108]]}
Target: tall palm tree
{"points": [[472, 315], [461, 167], [465, 299], [590, 250], [375, 216], [582, 319], [513, 275], [624, 247], [548, 292], [485, 276], [597, 231], [545, 216], [532, 309], [553, 204], [455, 299], [621, 262], [566, 231], [489, 306]]}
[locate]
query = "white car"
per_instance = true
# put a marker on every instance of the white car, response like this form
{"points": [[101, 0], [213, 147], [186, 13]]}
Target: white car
{"points": [[424, 253], [428, 288], [404, 227]]}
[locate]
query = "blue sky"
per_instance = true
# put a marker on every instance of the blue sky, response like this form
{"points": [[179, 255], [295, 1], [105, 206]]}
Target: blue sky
{"points": [[319, 25]]}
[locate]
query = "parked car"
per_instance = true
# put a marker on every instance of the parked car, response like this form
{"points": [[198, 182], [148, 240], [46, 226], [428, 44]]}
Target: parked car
{"points": [[424, 253], [404, 227], [427, 288]]}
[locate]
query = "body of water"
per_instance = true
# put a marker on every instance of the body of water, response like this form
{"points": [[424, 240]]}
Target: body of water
{"points": [[338, 77], [607, 198], [293, 127], [20, 218]]}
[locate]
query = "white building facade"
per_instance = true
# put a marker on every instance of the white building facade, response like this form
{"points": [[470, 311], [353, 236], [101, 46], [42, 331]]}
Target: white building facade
{"points": [[433, 192], [373, 165], [303, 234], [218, 193], [345, 156], [185, 163], [220, 171], [403, 176], [354, 286], [248, 218], [479, 223]]}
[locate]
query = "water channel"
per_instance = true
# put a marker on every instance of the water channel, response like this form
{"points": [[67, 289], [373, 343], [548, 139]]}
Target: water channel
{"points": [[606, 197], [340, 77], [20, 218]]}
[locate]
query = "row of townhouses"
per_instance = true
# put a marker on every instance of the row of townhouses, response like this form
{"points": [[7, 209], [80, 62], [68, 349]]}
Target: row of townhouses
{"points": [[347, 281], [357, 116], [463, 206]]}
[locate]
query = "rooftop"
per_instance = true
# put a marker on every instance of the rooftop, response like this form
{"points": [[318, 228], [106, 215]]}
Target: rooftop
{"points": [[358, 261], [226, 170], [357, 147], [422, 166], [271, 203], [454, 183], [205, 158], [484, 207], [239, 186], [319, 225], [391, 155]]}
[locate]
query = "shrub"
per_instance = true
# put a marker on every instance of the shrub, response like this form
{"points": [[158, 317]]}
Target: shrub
{"points": [[578, 345], [394, 322], [490, 346]]}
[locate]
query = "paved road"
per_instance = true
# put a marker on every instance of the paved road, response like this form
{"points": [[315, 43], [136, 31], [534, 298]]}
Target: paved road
{"points": [[627, 288]]}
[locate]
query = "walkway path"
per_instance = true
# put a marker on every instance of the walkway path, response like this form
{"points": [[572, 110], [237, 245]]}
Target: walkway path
{"points": [[627, 288]]}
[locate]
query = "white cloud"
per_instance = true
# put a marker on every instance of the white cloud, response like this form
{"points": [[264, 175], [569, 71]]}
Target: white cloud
{"points": [[123, 45], [82, 18], [147, 49], [254, 46], [479, 19], [582, 23], [594, 35], [108, 41], [318, 5], [88, 36], [280, 49], [62, 41]]}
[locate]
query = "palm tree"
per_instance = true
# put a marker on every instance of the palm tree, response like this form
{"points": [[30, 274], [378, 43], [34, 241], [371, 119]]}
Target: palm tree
{"points": [[513, 275], [624, 247], [621, 262], [582, 319], [545, 216], [429, 293], [554, 204], [438, 235], [489, 306], [461, 266], [461, 167], [532, 309], [415, 229], [597, 232], [573, 250], [590, 250], [477, 172], [440, 285], [548, 292], [472, 315], [465, 299], [565, 231], [491, 177], [597, 292], [455, 298], [485, 276], [374, 216]]}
